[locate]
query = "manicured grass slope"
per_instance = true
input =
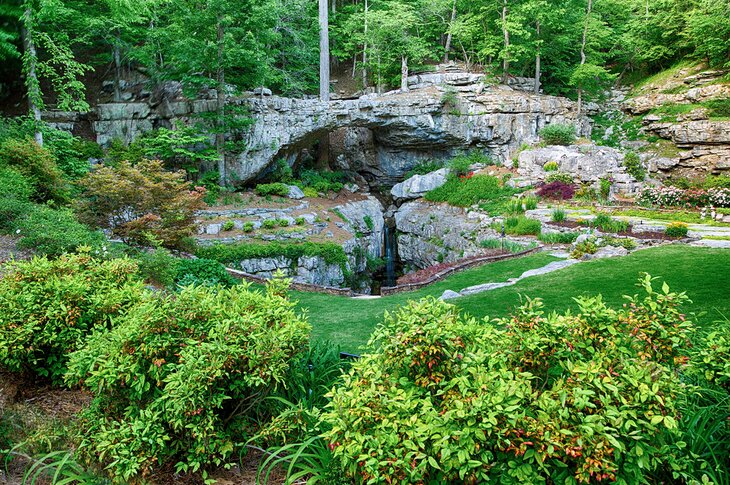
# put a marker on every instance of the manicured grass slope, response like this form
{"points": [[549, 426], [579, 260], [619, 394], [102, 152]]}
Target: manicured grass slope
{"points": [[703, 273]]}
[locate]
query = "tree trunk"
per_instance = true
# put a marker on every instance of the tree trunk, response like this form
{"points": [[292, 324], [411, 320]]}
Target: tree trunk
{"points": [[117, 68], [334, 7], [583, 55], [447, 46], [505, 31], [365, 51], [30, 58], [404, 73], [220, 137], [324, 52], [537, 59]]}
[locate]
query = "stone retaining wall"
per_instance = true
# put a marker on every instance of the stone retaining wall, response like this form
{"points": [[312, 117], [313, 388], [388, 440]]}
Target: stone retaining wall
{"points": [[294, 286]]}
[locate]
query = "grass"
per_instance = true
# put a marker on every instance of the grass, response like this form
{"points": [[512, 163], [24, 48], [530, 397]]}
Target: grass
{"points": [[349, 322], [703, 273], [688, 217]]}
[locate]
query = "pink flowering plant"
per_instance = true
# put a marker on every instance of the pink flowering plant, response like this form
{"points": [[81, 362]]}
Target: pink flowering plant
{"points": [[676, 197]]}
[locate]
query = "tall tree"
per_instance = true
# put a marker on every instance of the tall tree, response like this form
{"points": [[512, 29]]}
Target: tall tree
{"points": [[324, 52]]}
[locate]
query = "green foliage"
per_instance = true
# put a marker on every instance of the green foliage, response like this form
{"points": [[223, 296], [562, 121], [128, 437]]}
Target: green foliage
{"points": [[233, 254], [520, 226], [552, 166], [676, 229], [227, 226], [157, 266], [606, 223], [624, 242], [177, 377], [202, 271], [55, 231], [368, 221], [268, 224], [558, 215], [605, 188], [248, 226], [506, 244], [210, 180], [143, 204], [634, 167], [37, 165], [277, 188], [449, 99], [320, 181], [47, 308], [558, 237], [588, 246], [424, 168], [558, 134], [530, 202], [463, 192], [592, 79], [533, 398], [566, 178], [15, 193]]}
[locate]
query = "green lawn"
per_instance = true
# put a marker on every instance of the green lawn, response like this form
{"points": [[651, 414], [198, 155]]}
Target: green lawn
{"points": [[703, 273]]}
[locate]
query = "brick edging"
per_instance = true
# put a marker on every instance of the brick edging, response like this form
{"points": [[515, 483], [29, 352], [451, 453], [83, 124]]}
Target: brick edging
{"points": [[392, 290]]}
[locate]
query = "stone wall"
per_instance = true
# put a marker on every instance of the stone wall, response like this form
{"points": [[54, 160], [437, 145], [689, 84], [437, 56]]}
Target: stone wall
{"points": [[312, 270]]}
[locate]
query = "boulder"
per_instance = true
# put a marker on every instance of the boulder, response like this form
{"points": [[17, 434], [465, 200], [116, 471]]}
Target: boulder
{"points": [[295, 192], [417, 186]]}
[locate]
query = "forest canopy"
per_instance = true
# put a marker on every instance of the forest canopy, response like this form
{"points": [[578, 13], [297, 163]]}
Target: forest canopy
{"points": [[274, 43]]}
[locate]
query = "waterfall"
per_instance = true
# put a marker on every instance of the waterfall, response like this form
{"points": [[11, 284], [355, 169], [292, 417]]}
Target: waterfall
{"points": [[390, 253]]}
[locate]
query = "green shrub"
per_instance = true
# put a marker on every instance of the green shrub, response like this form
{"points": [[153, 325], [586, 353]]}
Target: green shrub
{"points": [[634, 167], [157, 267], [300, 221], [506, 244], [210, 180], [38, 166], [676, 229], [368, 221], [282, 222], [48, 306], [624, 242], [588, 246], [175, 380], [15, 193], [233, 254], [228, 226], [566, 178], [310, 192], [530, 202], [521, 226], [515, 206], [463, 192], [202, 271], [558, 215], [248, 226], [558, 237], [606, 223], [716, 181], [605, 185], [55, 231], [532, 399], [460, 165], [552, 166], [424, 168], [558, 134], [276, 188], [321, 181]]}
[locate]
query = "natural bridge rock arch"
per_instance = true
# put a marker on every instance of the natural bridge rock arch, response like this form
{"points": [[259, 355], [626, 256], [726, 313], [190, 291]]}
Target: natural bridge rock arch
{"points": [[403, 127]]}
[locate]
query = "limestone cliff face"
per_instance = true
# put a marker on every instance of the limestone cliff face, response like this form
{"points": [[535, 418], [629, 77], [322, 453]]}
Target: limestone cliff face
{"points": [[387, 135], [379, 137]]}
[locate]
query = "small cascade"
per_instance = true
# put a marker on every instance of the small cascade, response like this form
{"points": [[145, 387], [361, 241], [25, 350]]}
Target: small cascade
{"points": [[390, 253]]}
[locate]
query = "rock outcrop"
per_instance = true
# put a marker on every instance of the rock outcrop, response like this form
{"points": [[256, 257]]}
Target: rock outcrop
{"points": [[364, 220], [417, 185], [312, 270], [431, 233], [586, 163]]}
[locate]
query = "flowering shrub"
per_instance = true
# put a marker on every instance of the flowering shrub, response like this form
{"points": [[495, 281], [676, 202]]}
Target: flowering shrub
{"points": [[587, 397], [676, 229], [48, 306], [676, 197], [175, 381], [558, 190]]}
